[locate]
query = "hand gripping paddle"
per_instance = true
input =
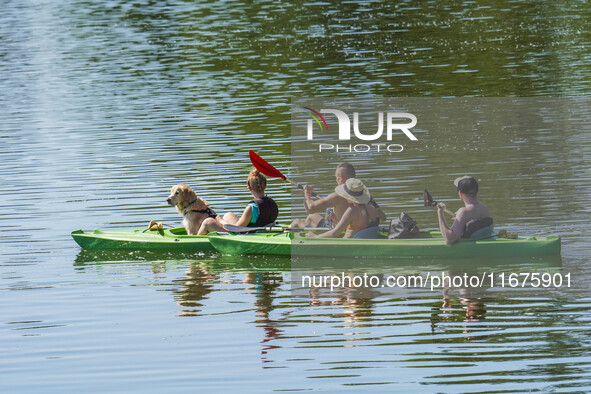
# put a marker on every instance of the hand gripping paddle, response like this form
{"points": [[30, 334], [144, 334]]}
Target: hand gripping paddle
{"points": [[430, 203]]}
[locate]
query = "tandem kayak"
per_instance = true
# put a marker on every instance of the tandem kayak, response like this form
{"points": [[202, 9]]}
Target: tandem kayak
{"points": [[429, 244], [167, 240]]}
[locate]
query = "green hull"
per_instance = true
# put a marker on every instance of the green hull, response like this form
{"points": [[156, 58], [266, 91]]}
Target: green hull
{"points": [[168, 240], [430, 244]]}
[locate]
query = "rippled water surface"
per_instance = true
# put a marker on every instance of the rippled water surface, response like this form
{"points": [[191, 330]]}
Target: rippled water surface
{"points": [[105, 105]]}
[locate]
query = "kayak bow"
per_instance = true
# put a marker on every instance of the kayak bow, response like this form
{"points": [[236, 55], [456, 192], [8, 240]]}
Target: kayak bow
{"points": [[167, 240]]}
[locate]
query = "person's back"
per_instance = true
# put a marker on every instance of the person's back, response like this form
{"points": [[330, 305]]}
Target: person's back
{"points": [[475, 210], [260, 211], [366, 218], [264, 211], [473, 213]]}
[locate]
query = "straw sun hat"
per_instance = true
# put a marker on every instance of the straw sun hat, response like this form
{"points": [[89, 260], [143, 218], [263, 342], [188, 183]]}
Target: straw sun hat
{"points": [[354, 190]]}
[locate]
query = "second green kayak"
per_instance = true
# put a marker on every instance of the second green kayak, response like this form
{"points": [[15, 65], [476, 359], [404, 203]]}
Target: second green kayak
{"points": [[429, 244]]}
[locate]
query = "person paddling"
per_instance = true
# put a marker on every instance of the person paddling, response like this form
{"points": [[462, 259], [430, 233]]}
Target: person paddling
{"points": [[471, 221], [358, 215], [260, 211]]}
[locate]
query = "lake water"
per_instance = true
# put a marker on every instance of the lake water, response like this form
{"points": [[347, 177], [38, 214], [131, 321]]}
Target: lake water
{"points": [[105, 105]]}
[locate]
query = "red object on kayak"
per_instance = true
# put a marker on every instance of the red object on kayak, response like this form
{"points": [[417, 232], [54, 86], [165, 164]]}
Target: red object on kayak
{"points": [[264, 167]]}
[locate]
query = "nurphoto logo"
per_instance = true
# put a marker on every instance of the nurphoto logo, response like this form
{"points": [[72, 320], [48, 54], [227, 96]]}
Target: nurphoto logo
{"points": [[395, 122]]}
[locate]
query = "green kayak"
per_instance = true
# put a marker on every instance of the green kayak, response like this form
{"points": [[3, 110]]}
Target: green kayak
{"points": [[167, 240], [429, 244]]}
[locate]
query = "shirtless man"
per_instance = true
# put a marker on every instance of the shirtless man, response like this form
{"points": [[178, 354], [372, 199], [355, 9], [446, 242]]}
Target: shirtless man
{"points": [[359, 215], [467, 189], [343, 172]]}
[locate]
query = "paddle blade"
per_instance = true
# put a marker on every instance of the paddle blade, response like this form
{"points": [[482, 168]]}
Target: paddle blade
{"points": [[428, 199], [260, 164]]}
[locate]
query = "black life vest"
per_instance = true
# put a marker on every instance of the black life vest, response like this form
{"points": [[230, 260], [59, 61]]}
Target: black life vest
{"points": [[477, 224], [268, 211]]}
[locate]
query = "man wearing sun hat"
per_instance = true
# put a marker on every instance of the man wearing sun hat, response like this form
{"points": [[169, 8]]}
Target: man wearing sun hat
{"points": [[333, 204], [358, 216], [471, 220]]}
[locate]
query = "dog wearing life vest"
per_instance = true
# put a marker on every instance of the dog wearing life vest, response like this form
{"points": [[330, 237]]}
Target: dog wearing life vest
{"points": [[193, 209]]}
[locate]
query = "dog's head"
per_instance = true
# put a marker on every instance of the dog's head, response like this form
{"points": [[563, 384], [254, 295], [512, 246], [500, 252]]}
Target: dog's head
{"points": [[181, 196]]}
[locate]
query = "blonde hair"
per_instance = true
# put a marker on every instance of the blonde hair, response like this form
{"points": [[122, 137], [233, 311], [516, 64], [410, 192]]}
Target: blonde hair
{"points": [[256, 181]]}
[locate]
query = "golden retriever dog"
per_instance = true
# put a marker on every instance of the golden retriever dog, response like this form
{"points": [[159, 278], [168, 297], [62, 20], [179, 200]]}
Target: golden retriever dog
{"points": [[194, 210]]}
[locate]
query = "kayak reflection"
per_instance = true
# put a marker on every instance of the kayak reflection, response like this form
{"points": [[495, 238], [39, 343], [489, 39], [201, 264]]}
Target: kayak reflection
{"points": [[271, 287]]}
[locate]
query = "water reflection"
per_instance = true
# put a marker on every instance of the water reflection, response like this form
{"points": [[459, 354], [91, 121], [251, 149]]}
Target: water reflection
{"points": [[455, 335], [358, 305], [195, 287], [265, 287]]}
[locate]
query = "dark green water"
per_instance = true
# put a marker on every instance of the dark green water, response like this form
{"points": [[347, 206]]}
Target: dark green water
{"points": [[105, 105]]}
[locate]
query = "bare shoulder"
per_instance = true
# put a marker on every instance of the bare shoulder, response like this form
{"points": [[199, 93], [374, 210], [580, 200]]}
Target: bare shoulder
{"points": [[485, 208], [335, 199], [481, 210], [332, 200], [476, 211], [462, 214], [332, 197]]}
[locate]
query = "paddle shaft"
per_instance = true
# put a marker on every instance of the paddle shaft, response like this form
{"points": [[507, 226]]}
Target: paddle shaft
{"points": [[429, 202], [445, 209], [449, 212], [299, 186], [243, 229]]}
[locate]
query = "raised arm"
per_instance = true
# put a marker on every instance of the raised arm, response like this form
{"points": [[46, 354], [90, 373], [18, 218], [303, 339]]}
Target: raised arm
{"points": [[453, 233], [320, 205]]}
